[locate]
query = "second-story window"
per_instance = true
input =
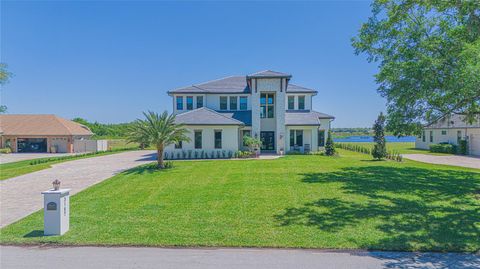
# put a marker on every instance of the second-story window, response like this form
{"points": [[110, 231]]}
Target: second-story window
{"points": [[301, 102], [233, 103], [243, 102], [189, 102], [199, 101], [223, 103], [267, 105], [179, 102], [291, 102]]}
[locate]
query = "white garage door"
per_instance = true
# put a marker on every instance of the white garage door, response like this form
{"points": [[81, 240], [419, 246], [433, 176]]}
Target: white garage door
{"points": [[475, 144], [60, 143]]}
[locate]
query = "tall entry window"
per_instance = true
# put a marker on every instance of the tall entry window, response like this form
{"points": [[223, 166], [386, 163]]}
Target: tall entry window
{"points": [[321, 138], [189, 102], [296, 138], [243, 102], [267, 105], [218, 139], [291, 102], [199, 101], [233, 102], [301, 102], [179, 102], [431, 136], [198, 139], [223, 102]]}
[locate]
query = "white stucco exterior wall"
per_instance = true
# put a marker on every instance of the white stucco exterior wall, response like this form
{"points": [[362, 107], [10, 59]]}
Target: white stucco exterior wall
{"points": [[471, 134]]}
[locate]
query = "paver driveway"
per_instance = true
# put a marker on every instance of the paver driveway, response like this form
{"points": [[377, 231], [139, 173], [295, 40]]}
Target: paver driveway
{"points": [[21, 196], [464, 161]]}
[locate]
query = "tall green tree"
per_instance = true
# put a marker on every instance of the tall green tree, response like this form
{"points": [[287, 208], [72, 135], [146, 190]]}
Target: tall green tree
{"points": [[380, 147], [5, 75], [329, 146], [159, 130], [428, 54]]}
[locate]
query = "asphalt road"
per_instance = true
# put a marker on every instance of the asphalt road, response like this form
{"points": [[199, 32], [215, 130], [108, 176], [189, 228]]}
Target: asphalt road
{"points": [[128, 257]]}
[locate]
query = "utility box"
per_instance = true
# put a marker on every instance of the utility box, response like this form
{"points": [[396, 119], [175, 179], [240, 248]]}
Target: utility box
{"points": [[56, 208]]}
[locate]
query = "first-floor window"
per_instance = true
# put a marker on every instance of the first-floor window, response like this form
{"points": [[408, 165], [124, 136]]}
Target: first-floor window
{"points": [[245, 133], [198, 139], [296, 138], [459, 136], [189, 102], [218, 139], [178, 145], [321, 138], [179, 102], [199, 101], [444, 132], [423, 136], [431, 136]]}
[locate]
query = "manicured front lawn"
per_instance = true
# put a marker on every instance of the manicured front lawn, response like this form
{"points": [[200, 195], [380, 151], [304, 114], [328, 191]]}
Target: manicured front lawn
{"points": [[296, 201]]}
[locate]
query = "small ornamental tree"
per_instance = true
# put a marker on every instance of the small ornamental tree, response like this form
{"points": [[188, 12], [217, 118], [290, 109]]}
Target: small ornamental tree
{"points": [[253, 144], [329, 146], [380, 148]]}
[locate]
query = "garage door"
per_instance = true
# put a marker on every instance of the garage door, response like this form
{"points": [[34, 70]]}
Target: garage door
{"points": [[60, 144], [475, 144], [32, 145]]}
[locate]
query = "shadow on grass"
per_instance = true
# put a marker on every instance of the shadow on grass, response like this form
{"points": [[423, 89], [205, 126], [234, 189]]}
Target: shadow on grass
{"points": [[150, 168], [412, 208], [34, 233]]}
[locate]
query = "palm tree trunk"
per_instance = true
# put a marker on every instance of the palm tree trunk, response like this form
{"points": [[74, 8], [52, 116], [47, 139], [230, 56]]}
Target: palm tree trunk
{"points": [[160, 164]]}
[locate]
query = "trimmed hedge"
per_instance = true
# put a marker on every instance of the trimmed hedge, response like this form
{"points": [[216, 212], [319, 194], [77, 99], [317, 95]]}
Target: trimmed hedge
{"points": [[5, 150], [443, 148]]}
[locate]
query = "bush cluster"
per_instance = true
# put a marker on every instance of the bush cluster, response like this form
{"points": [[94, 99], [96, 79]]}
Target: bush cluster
{"points": [[199, 154], [5, 150], [443, 148], [391, 155]]}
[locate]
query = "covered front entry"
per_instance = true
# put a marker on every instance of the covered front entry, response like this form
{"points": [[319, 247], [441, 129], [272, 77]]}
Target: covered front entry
{"points": [[31, 145], [268, 141]]}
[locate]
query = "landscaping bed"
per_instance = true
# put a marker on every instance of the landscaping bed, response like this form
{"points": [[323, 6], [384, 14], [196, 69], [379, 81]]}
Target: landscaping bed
{"points": [[311, 201]]}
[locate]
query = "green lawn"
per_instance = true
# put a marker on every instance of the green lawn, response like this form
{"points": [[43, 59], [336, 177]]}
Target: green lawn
{"points": [[9, 170], [347, 202], [400, 147]]}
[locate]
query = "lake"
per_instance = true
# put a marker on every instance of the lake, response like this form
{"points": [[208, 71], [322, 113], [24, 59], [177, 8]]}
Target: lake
{"points": [[389, 138]]}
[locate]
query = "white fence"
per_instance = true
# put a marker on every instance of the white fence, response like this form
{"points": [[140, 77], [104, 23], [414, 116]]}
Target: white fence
{"points": [[90, 145]]}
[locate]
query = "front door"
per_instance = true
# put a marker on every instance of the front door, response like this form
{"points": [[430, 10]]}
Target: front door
{"points": [[268, 141]]}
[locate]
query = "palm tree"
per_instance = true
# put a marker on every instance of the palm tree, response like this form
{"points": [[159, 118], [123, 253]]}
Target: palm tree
{"points": [[159, 130]]}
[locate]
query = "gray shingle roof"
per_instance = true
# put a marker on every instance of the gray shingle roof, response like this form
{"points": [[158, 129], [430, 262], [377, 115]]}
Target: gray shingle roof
{"points": [[304, 117], [234, 85], [244, 116], [205, 116], [269, 74], [454, 121]]}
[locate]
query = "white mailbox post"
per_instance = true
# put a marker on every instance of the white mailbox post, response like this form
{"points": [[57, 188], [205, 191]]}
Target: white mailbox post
{"points": [[56, 208]]}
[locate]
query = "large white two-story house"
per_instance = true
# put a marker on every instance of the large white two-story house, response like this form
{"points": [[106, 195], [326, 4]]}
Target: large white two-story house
{"points": [[265, 105]]}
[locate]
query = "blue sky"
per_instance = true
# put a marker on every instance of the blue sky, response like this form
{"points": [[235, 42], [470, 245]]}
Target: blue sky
{"points": [[109, 61]]}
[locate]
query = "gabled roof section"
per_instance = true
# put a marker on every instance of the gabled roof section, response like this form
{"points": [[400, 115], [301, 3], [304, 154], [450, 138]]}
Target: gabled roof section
{"points": [[205, 116], [305, 117], [232, 84], [454, 121], [244, 116], [37, 124], [269, 74]]}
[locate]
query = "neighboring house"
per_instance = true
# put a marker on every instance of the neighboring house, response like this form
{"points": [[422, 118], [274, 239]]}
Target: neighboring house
{"points": [[40, 133], [264, 105], [451, 130]]}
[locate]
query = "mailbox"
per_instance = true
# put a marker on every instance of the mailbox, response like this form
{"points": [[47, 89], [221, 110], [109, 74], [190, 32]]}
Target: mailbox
{"points": [[56, 208]]}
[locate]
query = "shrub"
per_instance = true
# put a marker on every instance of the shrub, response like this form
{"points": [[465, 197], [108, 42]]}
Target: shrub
{"points": [[5, 150], [329, 146], [168, 164], [443, 148], [463, 147], [380, 148]]}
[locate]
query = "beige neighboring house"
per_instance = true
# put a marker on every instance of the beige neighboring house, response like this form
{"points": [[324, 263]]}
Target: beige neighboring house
{"points": [[451, 129], [40, 133]]}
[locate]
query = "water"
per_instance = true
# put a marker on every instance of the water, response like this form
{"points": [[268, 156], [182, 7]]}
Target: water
{"points": [[389, 138]]}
